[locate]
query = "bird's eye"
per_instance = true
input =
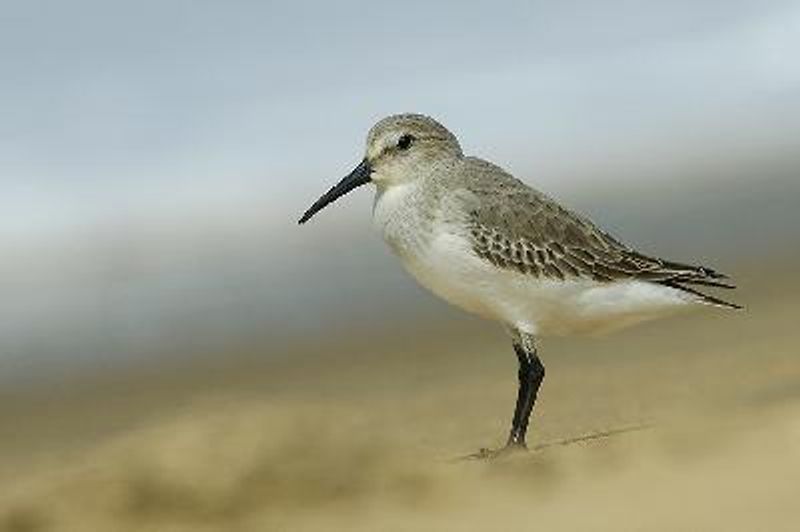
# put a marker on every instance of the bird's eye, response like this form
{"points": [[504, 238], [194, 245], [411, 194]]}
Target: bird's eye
{"points": [[405, 142]]}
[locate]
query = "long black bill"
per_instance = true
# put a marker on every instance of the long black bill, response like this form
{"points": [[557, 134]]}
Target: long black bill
{"points": [[359, 176]]}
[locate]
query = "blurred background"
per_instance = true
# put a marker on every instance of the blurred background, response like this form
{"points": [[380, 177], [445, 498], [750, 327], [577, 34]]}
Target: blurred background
{"points": [[154, 159]]}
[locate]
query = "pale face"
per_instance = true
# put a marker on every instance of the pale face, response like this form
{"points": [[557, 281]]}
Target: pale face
{"points": [[400, 149], [395, 157]]}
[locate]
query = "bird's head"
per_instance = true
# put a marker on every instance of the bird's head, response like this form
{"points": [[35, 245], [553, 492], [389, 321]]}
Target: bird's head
{"points": [[400, 149]]}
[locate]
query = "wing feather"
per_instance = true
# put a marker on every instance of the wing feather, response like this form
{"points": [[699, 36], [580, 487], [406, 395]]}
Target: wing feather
{"points": [[516, 227]]}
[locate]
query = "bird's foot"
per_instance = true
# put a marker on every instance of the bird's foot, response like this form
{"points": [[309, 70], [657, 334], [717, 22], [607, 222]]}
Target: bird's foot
{"points": [[510, 448]]}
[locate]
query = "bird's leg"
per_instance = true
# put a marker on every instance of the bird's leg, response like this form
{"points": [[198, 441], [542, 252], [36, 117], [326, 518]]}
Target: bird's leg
{"points": [[531, 374]]}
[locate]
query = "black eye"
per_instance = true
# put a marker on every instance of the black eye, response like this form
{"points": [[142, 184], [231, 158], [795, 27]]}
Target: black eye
{"points": [[404, 142]]}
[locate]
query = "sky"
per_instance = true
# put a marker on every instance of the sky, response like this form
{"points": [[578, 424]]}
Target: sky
{"points": [[115, 109], [154, 156]]}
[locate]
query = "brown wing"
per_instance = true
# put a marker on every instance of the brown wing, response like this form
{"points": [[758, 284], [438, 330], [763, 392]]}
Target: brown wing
{"points": [[515, 227]]}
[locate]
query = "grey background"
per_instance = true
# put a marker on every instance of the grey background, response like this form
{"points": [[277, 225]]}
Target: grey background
{"points": [[154, 156]]}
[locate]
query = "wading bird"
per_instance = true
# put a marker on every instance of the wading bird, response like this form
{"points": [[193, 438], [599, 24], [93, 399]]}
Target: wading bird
{"points": [[486, 242]]}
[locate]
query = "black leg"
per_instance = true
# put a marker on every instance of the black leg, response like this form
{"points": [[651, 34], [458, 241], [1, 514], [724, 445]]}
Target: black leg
{"points": [[531, 374]]}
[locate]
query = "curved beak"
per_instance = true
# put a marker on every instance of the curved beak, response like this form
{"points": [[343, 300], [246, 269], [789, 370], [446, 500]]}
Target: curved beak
{"points": [[359, 176]]}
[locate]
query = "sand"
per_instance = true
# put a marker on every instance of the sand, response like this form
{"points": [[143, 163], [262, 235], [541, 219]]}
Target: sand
{"points": [[703, 413]]}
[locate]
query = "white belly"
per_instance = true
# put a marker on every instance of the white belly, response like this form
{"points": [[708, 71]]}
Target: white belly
{"points": [[442, 260], [448, 267]]}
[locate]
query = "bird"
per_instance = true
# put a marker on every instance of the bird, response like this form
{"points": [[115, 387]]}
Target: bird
{"points": [[484, 241]]}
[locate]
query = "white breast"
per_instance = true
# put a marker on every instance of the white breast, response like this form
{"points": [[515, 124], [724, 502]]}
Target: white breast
{"points": [[396, 216], [441, 258]]}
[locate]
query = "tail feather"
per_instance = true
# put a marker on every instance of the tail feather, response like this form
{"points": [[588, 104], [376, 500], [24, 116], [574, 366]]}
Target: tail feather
{"points": [[685, 277], [703, 282], [705, 298], [680, 276]]}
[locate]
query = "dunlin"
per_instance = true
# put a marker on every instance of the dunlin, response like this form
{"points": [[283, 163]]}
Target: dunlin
{"points": [[486, 242]]}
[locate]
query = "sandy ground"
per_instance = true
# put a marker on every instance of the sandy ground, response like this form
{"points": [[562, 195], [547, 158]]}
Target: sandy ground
{"points": [[367, 436]]}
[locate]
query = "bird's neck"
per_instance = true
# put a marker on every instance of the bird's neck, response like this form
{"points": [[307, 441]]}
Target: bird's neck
{"points": [[402, 214]]}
